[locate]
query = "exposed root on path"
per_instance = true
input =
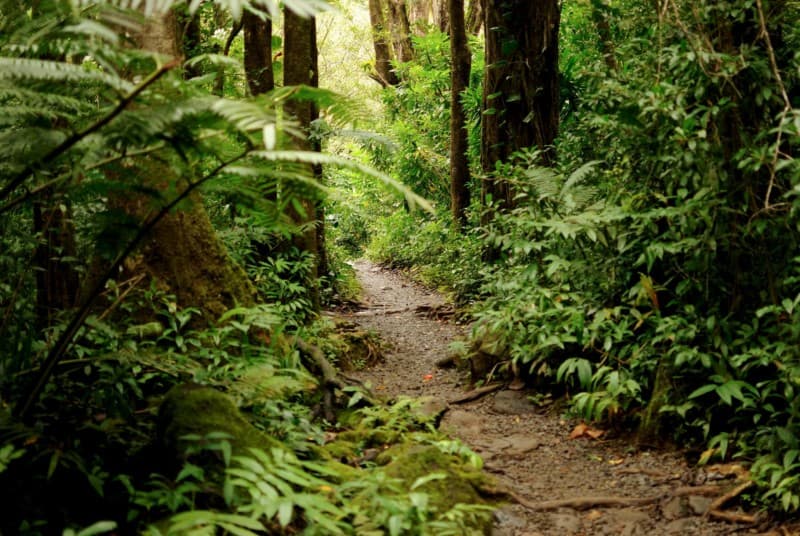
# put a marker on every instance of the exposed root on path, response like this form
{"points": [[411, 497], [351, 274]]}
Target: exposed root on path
{"points": [[583, 503], [715, 510], [586, 503], [475, 394]]}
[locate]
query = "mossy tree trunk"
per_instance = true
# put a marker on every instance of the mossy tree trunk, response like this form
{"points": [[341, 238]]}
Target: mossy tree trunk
{"points": [[401, 31], [183, 252], [474, 21], [384, 72]]}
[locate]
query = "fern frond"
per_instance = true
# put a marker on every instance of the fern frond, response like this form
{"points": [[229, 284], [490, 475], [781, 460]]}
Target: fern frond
{"points": [[249, 116], [312, 158], [578, 176], [13, 95], [56, 71], [339, 111]]}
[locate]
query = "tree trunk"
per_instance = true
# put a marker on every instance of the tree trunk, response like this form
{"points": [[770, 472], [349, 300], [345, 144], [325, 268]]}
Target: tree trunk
{"points": [[300, 68], [57, 281], [520, 96], [183, 252], [475, 17], [384, 74], [459, 79], [442, 16], [600, 18], [401, 31], [420, 16], [258, 53]]}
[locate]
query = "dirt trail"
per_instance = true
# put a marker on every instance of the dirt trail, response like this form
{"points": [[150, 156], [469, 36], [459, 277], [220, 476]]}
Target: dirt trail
{"points": [[526, 447]]}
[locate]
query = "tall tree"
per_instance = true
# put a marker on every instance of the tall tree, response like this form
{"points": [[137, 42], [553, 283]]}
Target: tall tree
{"points": [[181, 238], [258, 52], [475, 17], [442, 15], [603, 27], [300, 68], [459, 80], [400, 31], [384, 73], [520, 94]]}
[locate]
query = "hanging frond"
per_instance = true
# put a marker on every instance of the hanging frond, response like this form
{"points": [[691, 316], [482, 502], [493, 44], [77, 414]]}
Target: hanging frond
{"points": [[57, 71], [312, 158]]}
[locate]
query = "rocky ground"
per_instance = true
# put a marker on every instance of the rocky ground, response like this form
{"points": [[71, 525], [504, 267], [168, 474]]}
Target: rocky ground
{"points": [[564, 481]]}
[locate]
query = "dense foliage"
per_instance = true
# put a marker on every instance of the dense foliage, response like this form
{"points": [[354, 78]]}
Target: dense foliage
{"points": [[652, 275]]}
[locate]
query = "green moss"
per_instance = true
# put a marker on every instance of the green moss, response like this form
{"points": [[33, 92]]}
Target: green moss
{"points": [[461, 483], [191, 409]]}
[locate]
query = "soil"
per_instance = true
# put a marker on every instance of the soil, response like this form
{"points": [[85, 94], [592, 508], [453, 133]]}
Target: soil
{"points": [[528, 447]]}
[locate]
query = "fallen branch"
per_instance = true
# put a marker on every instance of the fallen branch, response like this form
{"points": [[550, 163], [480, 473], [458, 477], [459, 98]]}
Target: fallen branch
{"points": [[715, 509], [583, 503], [477, 393]]}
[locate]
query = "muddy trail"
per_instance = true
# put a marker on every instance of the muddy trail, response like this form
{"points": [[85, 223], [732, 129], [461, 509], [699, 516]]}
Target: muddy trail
{"points": [[561, 485]]}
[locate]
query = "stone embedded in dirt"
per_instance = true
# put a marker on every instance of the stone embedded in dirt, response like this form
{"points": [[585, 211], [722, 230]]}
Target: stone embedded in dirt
{"points": [[523, 444], [674, 508], [567, 523], [512, 403], [431, 407], [699, 505], [462, 422]]}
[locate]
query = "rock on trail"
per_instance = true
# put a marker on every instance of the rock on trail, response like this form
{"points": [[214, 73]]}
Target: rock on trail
{"points": [[528, 449]]}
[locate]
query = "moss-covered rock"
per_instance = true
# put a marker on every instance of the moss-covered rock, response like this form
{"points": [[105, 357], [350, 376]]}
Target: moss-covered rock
{"points": [[195, 410], [461, 482]]}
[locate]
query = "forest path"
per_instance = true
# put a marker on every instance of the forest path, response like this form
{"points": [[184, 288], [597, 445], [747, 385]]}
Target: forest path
{"points": [[526, 447]]}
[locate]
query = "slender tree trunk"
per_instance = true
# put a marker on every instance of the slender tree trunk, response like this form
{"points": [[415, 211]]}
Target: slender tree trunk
{"points": [[300, 68], [191, 41], [601, 24], [258, 53], [384, 74], [459, 78], [474, 21], [57, 281], [401, 31], [442, 16], [520, 95], [421, 16]]}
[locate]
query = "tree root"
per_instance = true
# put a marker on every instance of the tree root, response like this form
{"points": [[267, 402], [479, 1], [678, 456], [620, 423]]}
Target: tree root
{"points": [[477, 393], [585, 503], [715, 510]]}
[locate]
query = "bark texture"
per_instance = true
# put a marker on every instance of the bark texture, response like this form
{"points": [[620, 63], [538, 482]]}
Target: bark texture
{"points": [[384, 73], [258, 53], [401, 31], [603, 27], [57, 281], [459, 79], [300, 68], [183, 253], [520, 99], [475, 17]]}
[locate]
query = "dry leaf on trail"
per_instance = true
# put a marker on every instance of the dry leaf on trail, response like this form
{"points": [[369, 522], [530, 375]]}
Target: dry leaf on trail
{"points": [[584, 430], [594, 515], [616, 461]]}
